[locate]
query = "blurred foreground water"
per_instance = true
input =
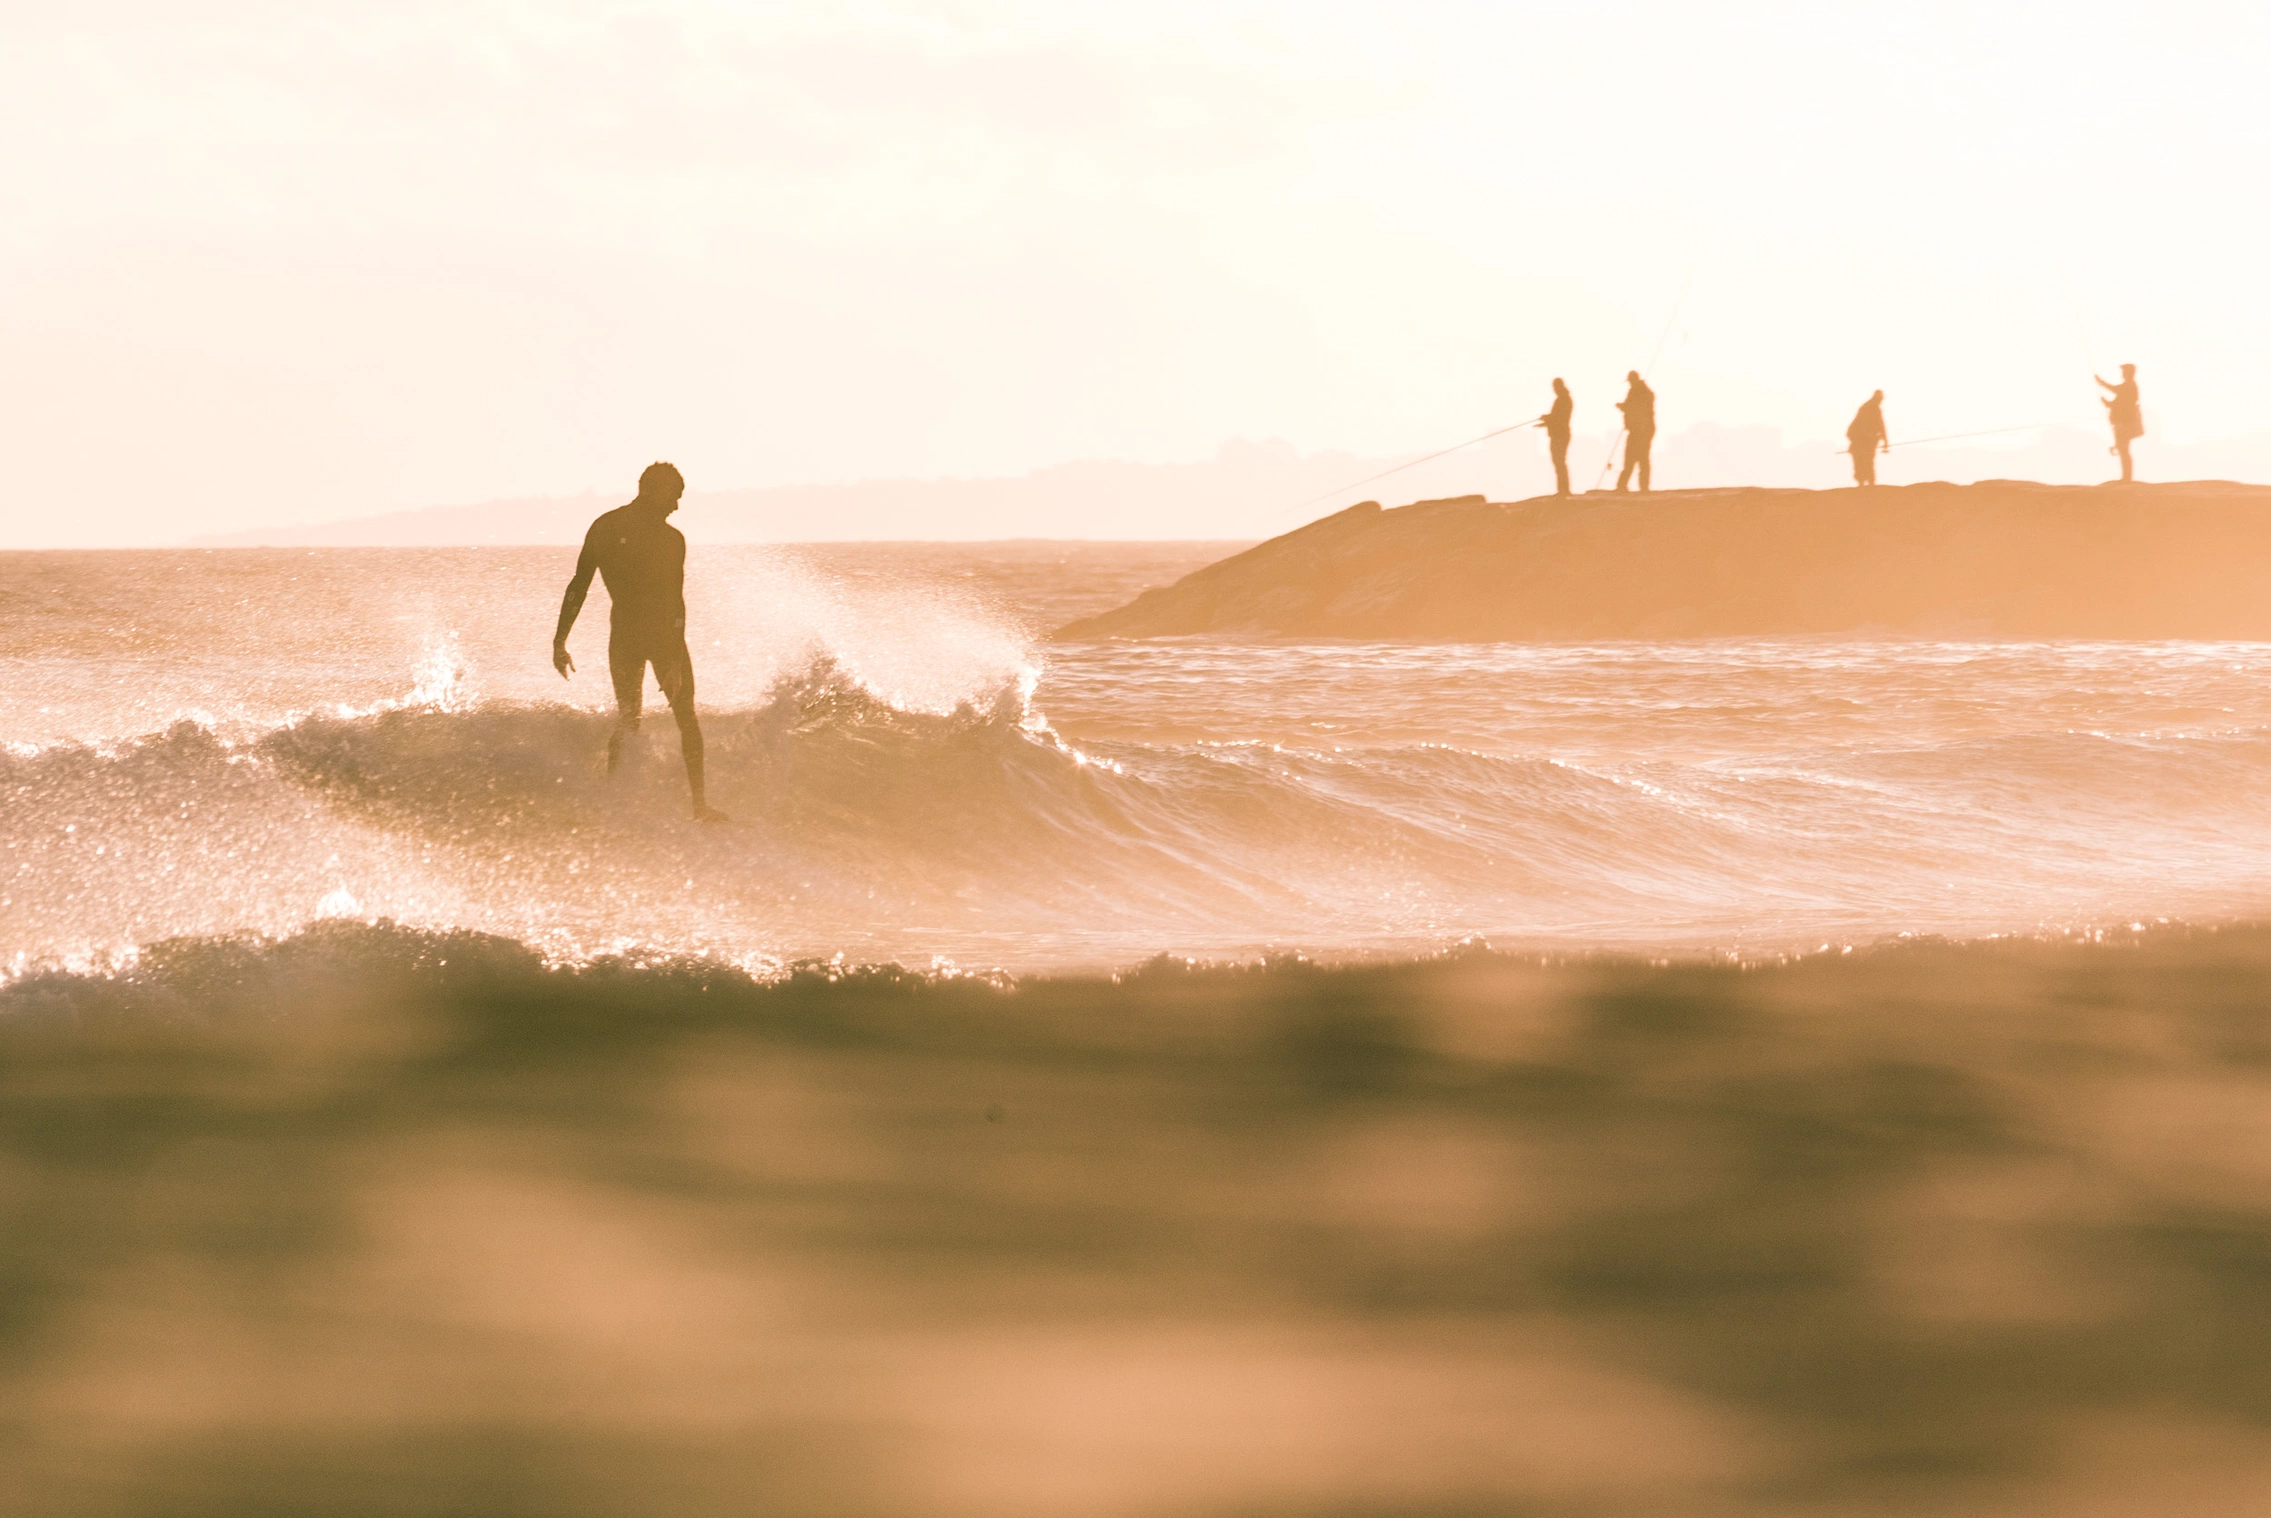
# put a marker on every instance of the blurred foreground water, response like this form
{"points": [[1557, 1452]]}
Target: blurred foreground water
{"points": [[369, 1221]]}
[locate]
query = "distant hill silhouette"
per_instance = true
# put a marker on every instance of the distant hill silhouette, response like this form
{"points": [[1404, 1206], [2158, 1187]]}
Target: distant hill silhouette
{"points": [[1247, 490], [1088, 500], [2000, 558]]}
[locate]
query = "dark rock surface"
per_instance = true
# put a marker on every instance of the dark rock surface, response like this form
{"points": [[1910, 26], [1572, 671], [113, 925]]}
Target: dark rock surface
{"points": [[2001, 558]]}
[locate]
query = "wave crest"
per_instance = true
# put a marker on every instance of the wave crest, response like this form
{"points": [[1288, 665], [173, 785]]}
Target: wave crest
{"points": [[978, 831]]}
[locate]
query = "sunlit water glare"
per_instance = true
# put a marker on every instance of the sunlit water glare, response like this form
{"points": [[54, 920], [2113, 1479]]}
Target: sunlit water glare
{"points": [[206, 743]]}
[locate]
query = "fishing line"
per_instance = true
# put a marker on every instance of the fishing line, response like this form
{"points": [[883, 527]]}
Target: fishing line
{"points": [[1407, 464], [1671, 321], [1654, 354], [1950, 437], [2081, 329]]}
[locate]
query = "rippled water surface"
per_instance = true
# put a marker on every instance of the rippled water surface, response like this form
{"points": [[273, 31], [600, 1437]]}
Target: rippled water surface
{"points": [[214, 741]]}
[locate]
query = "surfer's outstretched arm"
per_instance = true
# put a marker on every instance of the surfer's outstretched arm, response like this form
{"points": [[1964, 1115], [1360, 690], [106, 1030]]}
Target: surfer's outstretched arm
{"points": [[570, 604]]}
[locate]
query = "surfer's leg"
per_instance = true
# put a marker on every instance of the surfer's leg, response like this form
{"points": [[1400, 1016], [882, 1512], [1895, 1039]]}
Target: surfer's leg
{"points": [[1561, 468], [627, 664], [674, 672], [1644, 443], [2128, 469]]}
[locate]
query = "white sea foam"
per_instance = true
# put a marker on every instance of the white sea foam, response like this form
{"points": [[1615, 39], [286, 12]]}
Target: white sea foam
{"points": [[912, 779]]}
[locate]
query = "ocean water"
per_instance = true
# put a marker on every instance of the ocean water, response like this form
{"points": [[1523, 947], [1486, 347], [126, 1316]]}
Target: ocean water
{"points": [[212, 742], [399, 1117]]}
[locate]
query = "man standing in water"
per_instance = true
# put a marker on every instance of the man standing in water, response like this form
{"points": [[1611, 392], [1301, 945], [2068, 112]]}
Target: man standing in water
{"points": [[1556, 424], [1866, 438], [2127, 416], [642, 558], [1639, 408]]}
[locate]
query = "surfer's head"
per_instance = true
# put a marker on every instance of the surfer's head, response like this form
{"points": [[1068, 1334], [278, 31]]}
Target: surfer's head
{"points": [[1633, 375], [661, 483], [1877, 396], [1559, 388], [2128, 371]]}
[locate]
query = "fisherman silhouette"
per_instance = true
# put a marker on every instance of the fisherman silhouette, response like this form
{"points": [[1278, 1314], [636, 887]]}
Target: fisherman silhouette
{"points": [[1556, 424], [2127, 416], [1639, 408], [1865, 438], [642, 560]]}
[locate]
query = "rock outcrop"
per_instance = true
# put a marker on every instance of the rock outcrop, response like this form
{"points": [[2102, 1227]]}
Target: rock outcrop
{"points": [[2001, 558]]}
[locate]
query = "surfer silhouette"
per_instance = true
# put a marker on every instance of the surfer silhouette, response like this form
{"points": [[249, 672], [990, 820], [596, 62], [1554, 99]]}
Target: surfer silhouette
{"points": [[1556, 424], [1639, 408], [642, 560], [1865, 439], [2127, 416]]}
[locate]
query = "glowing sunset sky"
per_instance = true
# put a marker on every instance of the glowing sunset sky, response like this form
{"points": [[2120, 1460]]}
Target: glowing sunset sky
{"points": [[298, 261]]}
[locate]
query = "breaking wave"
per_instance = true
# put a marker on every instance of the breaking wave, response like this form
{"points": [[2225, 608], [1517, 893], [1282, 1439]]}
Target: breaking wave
{"points": [[981, 834]]}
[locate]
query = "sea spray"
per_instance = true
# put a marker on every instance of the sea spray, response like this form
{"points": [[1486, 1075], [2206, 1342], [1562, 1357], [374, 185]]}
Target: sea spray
{"points": [[913, 782]]}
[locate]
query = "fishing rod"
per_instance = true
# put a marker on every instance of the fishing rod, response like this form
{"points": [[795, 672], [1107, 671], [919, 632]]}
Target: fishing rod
{"points": [[1616, 442], [1661, 338], [1653, 354]]}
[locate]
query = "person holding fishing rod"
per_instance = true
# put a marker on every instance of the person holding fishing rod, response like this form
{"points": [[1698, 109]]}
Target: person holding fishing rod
{"points": [[1865, 439], [1639, 408], [2127, 417], [1556, 424]]}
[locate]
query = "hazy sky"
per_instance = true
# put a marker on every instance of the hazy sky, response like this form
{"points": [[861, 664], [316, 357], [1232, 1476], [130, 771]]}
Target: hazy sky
{"points": [[284, 261]]}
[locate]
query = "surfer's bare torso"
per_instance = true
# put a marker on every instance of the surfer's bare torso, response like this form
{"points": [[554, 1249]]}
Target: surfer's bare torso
{"points": [[641, 559]]}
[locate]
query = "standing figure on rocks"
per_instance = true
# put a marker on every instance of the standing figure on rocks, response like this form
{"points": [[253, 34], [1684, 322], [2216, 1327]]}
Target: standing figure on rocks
{"points": [[642, 560], [2127, 416], [1866, 439], [1639, 408], [1556, 424]]}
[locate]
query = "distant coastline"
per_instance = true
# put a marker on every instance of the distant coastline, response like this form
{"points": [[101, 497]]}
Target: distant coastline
{"points": [[1101, 501], [1247, 490]]}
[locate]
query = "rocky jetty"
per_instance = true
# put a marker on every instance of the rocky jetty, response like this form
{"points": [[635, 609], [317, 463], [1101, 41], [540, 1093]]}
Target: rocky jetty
{"points": [[1998, 559]]}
